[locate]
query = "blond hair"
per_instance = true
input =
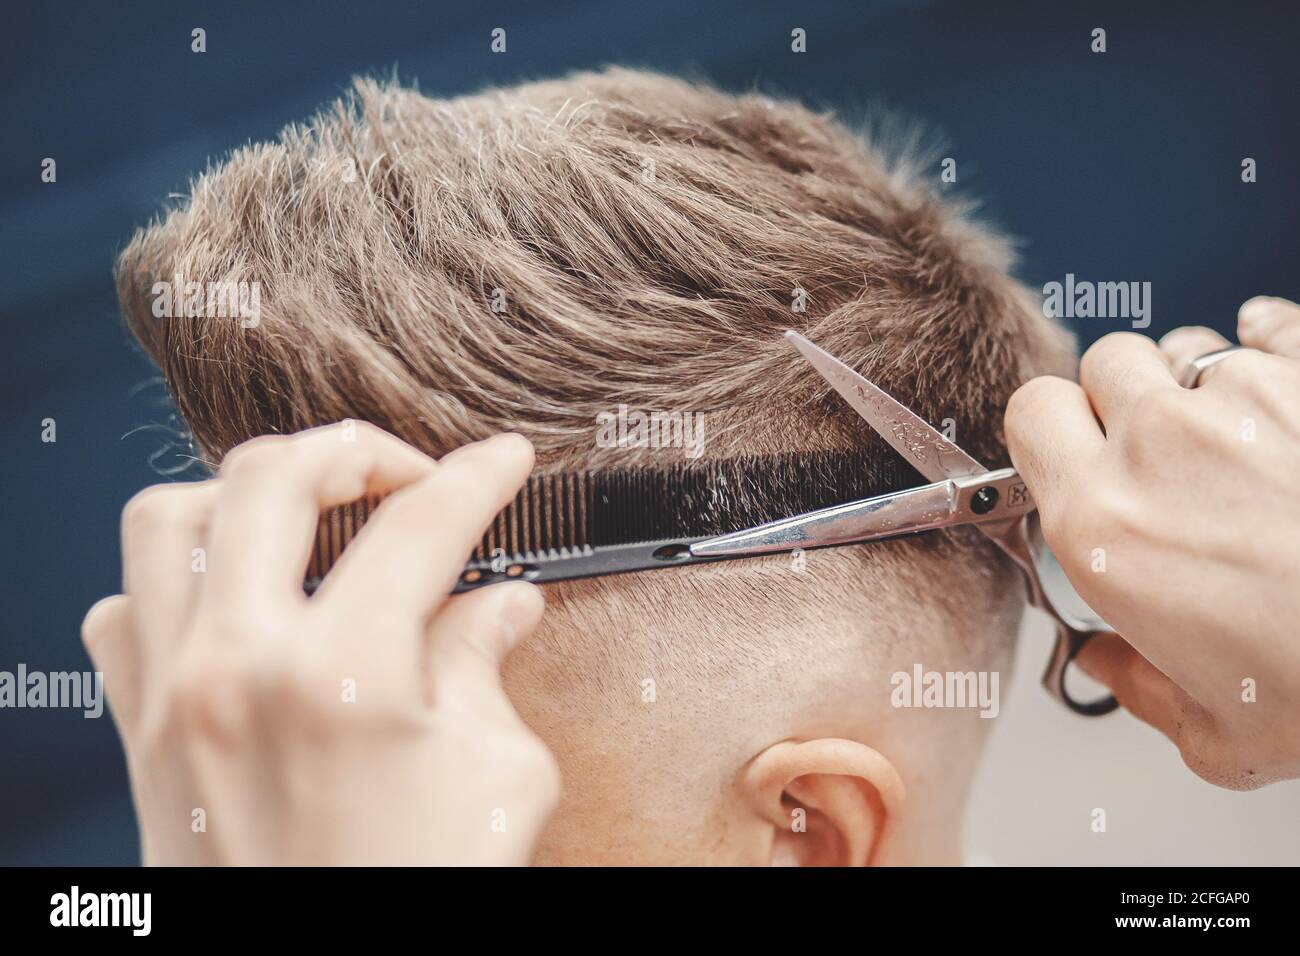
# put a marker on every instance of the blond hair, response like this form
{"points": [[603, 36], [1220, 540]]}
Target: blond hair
{"points": [[529, 258]]}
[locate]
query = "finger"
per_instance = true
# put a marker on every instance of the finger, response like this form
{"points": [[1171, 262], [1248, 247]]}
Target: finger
{"points": [[1050, 431], [407, 557], [107, 634], [164, 532], [469, 640], [1139, 686], [1181, 346], [1119, 368], [274, 489], [1271, 325]]}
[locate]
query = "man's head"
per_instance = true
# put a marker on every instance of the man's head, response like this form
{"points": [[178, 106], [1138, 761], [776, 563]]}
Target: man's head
{"points": [[531, 259]]}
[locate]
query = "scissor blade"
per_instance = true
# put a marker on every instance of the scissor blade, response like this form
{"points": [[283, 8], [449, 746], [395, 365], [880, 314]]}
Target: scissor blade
{"points": [[995, 497], [910, 435], [917, 509]]}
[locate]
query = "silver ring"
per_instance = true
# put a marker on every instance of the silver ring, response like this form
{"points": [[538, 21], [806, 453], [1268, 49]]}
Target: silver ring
{"points": [[1191, 376]]}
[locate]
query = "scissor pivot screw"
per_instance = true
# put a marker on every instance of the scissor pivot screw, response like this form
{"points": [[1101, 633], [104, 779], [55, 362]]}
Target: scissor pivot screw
{"points": [[984, 500]]}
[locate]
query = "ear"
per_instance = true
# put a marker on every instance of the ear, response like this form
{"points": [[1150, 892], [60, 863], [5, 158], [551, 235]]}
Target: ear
{"points": [[828, 801]]}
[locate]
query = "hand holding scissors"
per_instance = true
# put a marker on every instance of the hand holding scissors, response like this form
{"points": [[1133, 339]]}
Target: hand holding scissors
{"points": [[1173, 511]]}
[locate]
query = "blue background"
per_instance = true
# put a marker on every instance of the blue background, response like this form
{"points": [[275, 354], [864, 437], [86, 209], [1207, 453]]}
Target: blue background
{"points": [[1122, 166]]}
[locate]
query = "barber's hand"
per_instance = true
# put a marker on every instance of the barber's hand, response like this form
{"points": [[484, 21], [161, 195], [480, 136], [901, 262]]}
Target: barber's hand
{"points": [[365, 724], [1175, 514]]}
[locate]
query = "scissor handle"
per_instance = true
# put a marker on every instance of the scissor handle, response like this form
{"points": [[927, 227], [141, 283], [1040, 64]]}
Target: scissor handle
{"points": [[1068, 644]]}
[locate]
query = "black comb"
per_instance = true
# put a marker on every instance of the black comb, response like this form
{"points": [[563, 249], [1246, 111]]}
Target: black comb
{"points": [[587, 523]]}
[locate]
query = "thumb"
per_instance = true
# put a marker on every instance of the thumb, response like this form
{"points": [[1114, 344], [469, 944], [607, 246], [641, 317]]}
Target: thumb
{"points": [[470, 637]]}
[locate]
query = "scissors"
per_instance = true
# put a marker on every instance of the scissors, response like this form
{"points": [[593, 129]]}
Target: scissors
{"points": [[961, 492]]}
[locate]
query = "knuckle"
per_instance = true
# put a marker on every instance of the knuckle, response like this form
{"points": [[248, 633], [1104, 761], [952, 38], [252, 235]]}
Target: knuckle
{"points": [[1038, 401], [363, 436], [1028, 425], [370, 432], [1185, 331], [1189, 337], [254, 456], [1028, 399], [1262, 320], [1102, 353], [154, 507], [102, 617]]}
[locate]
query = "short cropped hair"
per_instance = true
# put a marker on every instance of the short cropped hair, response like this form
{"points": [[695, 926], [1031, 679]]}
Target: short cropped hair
{"points": [[529, 258]]}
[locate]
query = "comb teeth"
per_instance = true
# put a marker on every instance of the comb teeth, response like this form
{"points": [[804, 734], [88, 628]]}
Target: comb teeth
{"points": [[334, 530], [550, 513], [577, 513]]}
